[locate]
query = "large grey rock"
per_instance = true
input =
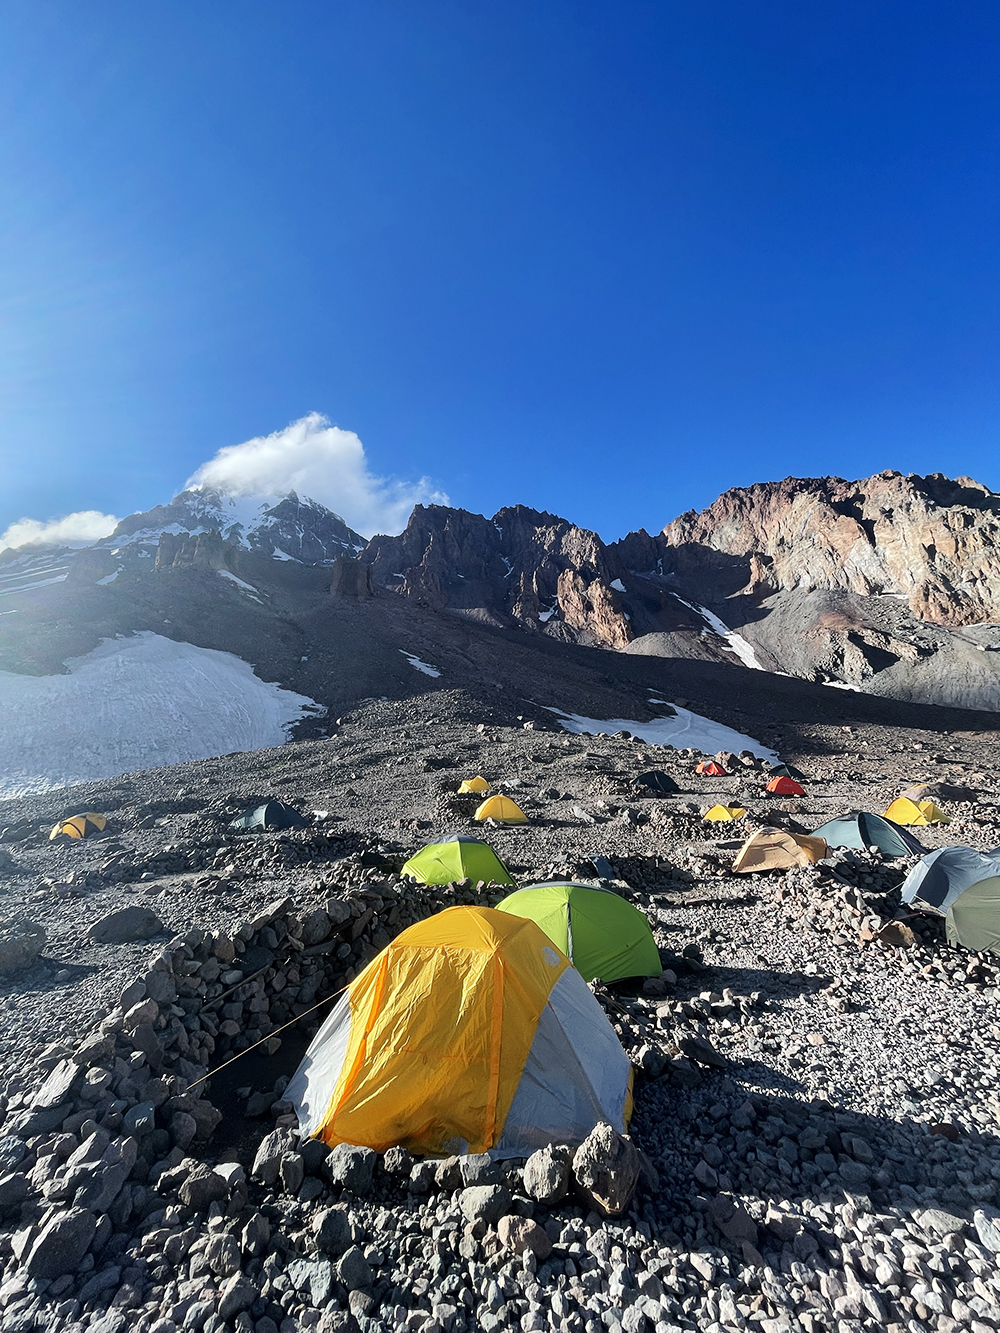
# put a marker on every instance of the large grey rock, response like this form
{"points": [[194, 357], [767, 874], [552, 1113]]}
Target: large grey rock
{"points": [[61, 1243], [353, 1269], [55, 1089], [486, 1203], [126, 926], [140, 1119], [547, 1173], [607, 1169], [940, 1222], [314, 1276], [351, 1167], [20, 944], [333, 1231], [12, 1149], [202, 1187], [13, 1190], [267, 1162], [987, 1224], [518, 1234], [479, 1169], [238, 1294]]}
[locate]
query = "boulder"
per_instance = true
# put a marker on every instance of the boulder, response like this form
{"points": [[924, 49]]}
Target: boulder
{"points": [[733, 1220], [20, 944], [126, 926], [61, 1243], [202, 1187], [606, 1168], [547, 1174], [333, 1231], [353, 1269], [987, 1224], [486, 1203], [267, 1162], [54, 1090], [518, 1234], [237, 1295], [351, 1167]]}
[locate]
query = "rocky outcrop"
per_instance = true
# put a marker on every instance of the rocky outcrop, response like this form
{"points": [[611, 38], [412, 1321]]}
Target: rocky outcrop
{"points": [[520, 568], [930, 540], [351, 578]]}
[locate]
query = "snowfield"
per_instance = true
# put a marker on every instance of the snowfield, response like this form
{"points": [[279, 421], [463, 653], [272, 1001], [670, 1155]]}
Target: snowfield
{"points": [[680, 732], [140, 702]]}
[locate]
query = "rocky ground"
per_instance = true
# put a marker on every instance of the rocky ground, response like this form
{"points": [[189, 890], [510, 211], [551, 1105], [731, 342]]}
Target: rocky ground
{"points": [[818, 1105]]}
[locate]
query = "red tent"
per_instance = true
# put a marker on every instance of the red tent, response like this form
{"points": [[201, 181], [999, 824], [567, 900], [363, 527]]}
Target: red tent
{"points": [[785, 787], [712, 768]]}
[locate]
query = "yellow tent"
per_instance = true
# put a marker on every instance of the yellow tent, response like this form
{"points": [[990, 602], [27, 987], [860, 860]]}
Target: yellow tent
{"points": [[720, 813], [469, 1032], [473, 785], [80, 826], [774, 849], [502, 809], [905, 811]]}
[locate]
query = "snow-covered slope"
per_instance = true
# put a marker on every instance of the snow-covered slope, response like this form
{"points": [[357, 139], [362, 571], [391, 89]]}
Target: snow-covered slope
{"points": [[132, 703]]}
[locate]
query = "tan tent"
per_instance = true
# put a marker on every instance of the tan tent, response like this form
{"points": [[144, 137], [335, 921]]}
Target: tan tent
{"points": [[774, 849]]}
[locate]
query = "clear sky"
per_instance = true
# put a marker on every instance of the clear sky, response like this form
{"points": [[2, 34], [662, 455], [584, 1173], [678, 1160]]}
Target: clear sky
{"points": [[603, 259]]}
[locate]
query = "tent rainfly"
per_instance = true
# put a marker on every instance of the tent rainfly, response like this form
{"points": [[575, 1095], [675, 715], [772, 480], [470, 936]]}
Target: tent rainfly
{"points": [[861, 830], [79, 826], [470, 1032], [272, 814], [775, 849], [456, 858], [720, 814], [604, 937], [472, 786], [904, 811], [940, 878], [502, 809]]}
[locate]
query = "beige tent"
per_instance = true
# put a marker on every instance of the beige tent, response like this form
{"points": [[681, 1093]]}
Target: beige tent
{"points": [[774, 849]]}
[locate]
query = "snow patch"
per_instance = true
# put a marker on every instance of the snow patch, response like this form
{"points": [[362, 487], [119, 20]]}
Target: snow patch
{"points": [[547, 615], [743, 650], [417, 665], [141, 702], [617, 585], [29, 587], [279, 554], [680, 732], [109, 578], [247, 587]]}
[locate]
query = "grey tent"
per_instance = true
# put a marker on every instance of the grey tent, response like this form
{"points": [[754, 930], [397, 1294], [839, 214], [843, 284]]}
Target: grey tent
{"points": [[974, 917], [272, 814], [657, 782], [859, 829], [940, 878]]}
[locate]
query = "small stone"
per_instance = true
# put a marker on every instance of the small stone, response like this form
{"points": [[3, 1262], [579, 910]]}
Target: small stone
{"points": [[333, 1231], [126, 926], [518, 1234], [202, 1187], [987, 1224], [547, 1174], [351, 1167]]}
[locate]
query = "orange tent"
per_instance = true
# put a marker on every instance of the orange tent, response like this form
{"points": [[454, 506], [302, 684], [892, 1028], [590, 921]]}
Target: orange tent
{"points": [[785, 787], [712, 768]]}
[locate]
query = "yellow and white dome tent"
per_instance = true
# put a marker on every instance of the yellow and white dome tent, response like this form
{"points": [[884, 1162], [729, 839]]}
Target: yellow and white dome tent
{"points": [[470, 1032]]}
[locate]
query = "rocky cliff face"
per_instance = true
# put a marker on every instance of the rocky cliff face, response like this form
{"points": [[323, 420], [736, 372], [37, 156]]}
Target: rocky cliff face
{"points": [[520, 568], [932, 541]]}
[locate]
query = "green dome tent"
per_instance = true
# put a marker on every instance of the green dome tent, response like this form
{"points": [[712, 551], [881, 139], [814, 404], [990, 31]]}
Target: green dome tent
{"points": [[272, 814], [605, 937], [862, 830], [973, 919], [453, 858]]}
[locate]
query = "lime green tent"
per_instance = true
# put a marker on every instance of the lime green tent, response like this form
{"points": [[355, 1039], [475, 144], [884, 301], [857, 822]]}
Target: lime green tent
{"points": [[605, 937], [455, 858]]}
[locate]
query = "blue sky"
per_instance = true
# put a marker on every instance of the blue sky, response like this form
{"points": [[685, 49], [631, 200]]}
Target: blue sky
{"points": [[606, 260]]}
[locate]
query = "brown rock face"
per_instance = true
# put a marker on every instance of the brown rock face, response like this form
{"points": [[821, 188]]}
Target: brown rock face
{"points": [[520, 568], [933, 541]]}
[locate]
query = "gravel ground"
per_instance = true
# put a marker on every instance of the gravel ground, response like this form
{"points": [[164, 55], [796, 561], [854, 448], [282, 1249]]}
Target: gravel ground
{"points": [[821, 1109]]}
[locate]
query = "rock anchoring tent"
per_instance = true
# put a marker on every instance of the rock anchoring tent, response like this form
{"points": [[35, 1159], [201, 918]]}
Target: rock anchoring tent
{"points": [[470, 1032], [861, 830], [605, 937], [454, 858]]}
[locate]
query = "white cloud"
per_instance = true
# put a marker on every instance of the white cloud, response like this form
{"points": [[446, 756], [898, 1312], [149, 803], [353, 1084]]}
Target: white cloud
{"points": [[80, 529], [321, 462]]}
